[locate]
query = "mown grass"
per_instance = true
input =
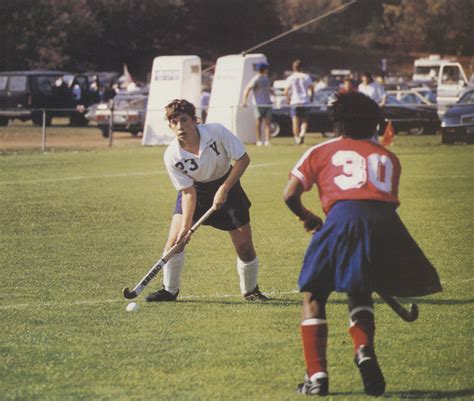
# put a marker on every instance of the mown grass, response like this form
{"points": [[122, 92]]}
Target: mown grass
{"points": [[76, 227]]}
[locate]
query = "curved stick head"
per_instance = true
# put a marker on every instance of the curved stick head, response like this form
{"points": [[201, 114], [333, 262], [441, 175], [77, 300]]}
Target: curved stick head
{"points": [[413, 314], [129, 294]]}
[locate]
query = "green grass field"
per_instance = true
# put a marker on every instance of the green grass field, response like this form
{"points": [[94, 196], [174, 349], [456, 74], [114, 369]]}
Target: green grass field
{"points": [[78, 226]]}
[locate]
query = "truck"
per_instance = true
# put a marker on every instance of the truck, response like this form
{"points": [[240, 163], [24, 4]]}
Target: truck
{"points": [[447, 75]]}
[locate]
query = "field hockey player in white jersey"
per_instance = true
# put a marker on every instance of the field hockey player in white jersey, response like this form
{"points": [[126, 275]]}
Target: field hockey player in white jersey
{"points": [[198, 161]]}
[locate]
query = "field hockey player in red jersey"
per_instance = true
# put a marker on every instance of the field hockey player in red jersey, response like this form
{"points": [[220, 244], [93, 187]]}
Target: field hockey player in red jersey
{"points": [[362, 247]]}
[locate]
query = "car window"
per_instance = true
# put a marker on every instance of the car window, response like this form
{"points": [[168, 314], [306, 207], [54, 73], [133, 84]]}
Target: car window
{"points": [[3, 83], [45, 84], [18, 83], [451, 75], [468, 98]]}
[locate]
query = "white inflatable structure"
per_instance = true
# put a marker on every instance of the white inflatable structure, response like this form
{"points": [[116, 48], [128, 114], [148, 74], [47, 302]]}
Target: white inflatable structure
{"points": [[172, 77], [232, 75]]}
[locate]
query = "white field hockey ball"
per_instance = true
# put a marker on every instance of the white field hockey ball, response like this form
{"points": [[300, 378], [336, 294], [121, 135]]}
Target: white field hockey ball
{"points": [[132, 307]]}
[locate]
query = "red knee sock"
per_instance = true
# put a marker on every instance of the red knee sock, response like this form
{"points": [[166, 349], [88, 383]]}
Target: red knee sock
{"points": [[314, 333], [362, 333]]}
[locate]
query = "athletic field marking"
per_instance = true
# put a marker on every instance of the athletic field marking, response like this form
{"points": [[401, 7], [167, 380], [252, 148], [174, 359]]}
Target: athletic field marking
{"points": [[185, 297], [94, 177], [109, 301]]}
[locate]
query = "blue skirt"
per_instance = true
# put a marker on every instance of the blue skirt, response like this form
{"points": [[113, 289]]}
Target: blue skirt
{"points": [[362, 247]]}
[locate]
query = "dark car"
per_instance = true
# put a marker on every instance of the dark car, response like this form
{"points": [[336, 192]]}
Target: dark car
{"points": [[25, 94], [318, 118], [458, 121], [412, 119], [129, 112]]}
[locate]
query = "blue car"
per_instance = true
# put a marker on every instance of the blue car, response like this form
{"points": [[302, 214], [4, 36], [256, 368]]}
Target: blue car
{"points": [[458, 121]]}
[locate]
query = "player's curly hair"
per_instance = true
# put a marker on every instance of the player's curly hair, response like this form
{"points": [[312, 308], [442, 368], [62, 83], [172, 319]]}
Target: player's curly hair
{"points": [[355, 115], [180, 106]]}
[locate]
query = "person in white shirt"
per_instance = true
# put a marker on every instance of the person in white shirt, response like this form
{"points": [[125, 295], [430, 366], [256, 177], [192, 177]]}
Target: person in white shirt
{"points": [[299, 92], [198, 162], [372, 89]]}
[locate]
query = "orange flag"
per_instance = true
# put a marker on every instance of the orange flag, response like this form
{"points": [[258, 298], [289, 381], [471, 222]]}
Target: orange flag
{"points": [[388, 135]]}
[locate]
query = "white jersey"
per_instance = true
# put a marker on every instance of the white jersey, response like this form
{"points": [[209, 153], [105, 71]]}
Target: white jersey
{"points": [[217, 148], [299, 84]]}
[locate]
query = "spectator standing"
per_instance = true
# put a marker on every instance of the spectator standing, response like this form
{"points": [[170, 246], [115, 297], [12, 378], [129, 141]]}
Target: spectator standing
{"points": [[299, 92], [372, 89], [261, 87]]}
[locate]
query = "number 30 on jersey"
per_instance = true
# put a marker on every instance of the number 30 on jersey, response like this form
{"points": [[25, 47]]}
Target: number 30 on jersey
{"points": [[377, 169]]}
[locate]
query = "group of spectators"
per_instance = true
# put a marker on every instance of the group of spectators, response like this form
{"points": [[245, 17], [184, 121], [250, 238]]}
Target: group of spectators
{"points": [[299, 91]]}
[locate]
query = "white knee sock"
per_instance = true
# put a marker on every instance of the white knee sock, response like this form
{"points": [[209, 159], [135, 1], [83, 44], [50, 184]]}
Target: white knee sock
{"points": [[172, 272], [248, 274]]}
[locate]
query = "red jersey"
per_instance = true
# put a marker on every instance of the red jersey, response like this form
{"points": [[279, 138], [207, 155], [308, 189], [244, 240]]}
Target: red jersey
{"points": [[349, 169]]}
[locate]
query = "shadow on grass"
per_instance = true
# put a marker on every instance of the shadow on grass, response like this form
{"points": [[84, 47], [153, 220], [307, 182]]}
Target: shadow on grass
{"points": [[431, 395]]}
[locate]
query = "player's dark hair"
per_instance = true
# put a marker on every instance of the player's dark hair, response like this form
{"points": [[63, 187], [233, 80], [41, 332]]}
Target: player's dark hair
{"points": [[180, 106], [297, 65], [355, 115]]}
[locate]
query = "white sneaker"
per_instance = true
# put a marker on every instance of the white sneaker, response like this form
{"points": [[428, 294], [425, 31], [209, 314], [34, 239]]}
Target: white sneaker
{"points": [[266, 143], [298, 140], [259, 143]]}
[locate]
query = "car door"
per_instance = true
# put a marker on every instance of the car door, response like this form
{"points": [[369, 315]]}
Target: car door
{"points": [[451, 82]]}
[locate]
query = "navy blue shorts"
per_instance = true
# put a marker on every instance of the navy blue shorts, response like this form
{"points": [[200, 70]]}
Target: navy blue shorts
{"points": [[233, 214], [362, 247]]}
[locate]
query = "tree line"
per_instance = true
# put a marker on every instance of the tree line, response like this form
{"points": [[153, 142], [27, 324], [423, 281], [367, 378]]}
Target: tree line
{"points": [[81, 35]]}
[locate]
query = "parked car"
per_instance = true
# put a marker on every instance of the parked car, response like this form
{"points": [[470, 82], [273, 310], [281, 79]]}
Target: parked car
{"points": [[24, 94], [458, 121], [128, 110], [413, 119], [318, 118]]}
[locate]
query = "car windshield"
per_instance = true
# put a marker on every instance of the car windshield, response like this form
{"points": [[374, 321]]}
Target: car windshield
{"points": [[322, 96], [129, 103], [468, 98]]}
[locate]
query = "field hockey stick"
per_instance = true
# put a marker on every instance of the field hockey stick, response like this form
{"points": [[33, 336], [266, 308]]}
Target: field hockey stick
{"points": [[407, 315], [159, 265]]}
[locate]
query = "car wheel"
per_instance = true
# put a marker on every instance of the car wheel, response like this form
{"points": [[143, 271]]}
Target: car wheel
{"points": [[274, 129], [416, 130], [3, 121], [134, 133], [105, 131]]}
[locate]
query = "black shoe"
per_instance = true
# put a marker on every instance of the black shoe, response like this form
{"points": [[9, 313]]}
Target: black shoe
{"points": [[372, 377], [319, 386], [255, 295], [161, 296]]}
